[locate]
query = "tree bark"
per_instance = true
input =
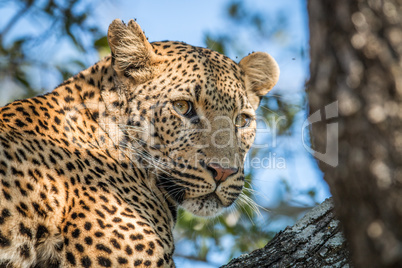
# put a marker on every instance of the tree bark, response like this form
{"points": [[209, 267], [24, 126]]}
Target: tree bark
{"points": [[314, 241], [356, 59]]}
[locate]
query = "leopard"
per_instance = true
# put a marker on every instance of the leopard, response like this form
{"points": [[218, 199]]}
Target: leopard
{"points": [[92, 174]]}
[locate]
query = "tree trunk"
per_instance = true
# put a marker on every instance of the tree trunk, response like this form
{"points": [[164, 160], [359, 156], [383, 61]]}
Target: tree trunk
{"points": [[314, 241], [356, 59]]}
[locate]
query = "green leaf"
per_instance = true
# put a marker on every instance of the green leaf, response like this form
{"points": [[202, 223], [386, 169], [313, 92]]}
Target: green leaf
{"points": [[101, 43], [215, 44]]}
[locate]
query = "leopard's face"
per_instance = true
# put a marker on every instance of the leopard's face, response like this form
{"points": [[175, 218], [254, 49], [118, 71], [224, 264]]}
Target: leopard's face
{"points": [[191, 121], [197, 124]]}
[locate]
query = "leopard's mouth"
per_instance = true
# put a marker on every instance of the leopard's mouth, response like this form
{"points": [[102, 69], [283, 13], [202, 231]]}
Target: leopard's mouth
{"points": [[207, 205]]}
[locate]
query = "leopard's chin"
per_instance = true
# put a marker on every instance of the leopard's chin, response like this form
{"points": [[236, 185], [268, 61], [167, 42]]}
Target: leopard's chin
{"points": [[204, 206]]}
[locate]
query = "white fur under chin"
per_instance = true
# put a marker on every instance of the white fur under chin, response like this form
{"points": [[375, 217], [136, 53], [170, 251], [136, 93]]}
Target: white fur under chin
{"points": [[203, 207]]}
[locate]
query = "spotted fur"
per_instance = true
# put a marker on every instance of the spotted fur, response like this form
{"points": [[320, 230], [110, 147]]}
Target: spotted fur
{"points": [[92, 173]]}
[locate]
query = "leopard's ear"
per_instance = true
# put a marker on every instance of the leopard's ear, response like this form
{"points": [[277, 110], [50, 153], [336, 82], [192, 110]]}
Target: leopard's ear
{"points": [[261, 75], [132, 54]]}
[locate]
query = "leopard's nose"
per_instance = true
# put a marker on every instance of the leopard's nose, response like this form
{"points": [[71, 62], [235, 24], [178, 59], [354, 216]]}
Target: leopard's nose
{"points": [[220, 173]]}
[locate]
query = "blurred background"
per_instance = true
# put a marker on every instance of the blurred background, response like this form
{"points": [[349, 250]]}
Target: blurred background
{"points": [[43, 42]]}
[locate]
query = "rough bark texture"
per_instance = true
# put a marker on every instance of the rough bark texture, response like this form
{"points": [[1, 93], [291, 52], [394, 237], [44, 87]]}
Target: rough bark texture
{"points": [[356, 59], [314, 241]]}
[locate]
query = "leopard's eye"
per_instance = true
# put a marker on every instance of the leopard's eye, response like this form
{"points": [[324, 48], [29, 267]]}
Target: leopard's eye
{"points": [[242, 120], [182, 107]]}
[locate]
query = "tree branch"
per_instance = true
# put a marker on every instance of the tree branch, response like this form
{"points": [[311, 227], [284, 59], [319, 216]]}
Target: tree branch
{"points": [[314, 241]]}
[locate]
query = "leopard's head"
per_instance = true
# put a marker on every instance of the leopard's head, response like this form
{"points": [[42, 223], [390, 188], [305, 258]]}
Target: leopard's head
{"points": [[190, 117]]}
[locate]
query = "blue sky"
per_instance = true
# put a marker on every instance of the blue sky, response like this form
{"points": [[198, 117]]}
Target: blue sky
{"points": [[189, 21]]}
